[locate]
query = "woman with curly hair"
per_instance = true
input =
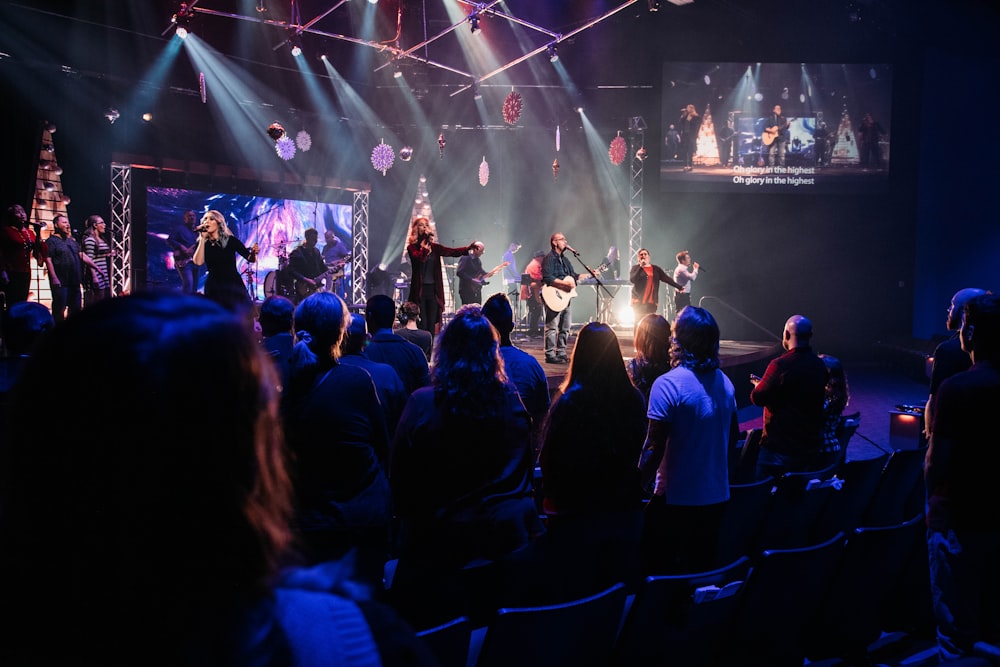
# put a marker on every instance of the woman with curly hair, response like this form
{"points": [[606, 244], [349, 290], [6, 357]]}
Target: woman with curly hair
{"points": [[692, 421], [652, 352], [426, 282], [461, 460]]}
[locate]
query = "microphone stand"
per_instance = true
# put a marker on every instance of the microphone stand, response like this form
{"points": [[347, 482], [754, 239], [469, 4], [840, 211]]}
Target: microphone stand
{"points": [[598, 285]]}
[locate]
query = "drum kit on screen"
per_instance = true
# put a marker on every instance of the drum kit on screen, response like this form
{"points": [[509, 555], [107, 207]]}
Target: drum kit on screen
{"points": [[283, 283]]}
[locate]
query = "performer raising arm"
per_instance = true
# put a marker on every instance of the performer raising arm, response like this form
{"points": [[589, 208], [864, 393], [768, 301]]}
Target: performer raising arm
{"points": [[426, 283], [646, 278]]}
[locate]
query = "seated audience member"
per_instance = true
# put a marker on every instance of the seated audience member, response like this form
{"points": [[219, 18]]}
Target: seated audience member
{"points": [[462, 461], [652, 352], [128, 540], [837, 397], [275, 318], [963, 536], [391, 392], [792, 393], [409, 315], [337, 433], [388, 348], [590, 445], [521, 368], [692, 423]]}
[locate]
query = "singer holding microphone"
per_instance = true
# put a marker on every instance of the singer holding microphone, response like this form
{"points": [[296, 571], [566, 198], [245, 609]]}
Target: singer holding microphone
{"points": [[646, 278], [685, 274], [426, 282], [217, 249]]}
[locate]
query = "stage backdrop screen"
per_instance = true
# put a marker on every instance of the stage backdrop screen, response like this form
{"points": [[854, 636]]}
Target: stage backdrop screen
{"points": [[277, 225], [838, 127]]}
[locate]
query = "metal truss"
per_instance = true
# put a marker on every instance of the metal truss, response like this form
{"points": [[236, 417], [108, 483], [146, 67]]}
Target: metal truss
{"points": [[359, 247], [121, 229], [636, 142]]}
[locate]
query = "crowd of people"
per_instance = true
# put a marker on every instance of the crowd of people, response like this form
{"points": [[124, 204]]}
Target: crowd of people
{"points": [[331, 444]]}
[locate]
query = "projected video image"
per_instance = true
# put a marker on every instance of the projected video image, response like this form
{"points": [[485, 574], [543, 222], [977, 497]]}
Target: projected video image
{"points": [[776, 127], [277, 225]]}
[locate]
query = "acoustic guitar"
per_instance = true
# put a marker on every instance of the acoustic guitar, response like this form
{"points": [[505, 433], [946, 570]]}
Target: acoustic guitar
{"points": [[557, 299], [769, 135]]}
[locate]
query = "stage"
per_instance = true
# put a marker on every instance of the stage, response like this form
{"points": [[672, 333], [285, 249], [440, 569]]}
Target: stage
{"points": [[738, 358]]}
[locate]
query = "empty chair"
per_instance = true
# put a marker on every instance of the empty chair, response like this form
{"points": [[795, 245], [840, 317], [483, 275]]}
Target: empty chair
{"points": [[796, 505], [780, 598], [846, 509], [450, 641], [846, 429], [850, 617], [578, 633], [742, 519], [677, 619], [896, 488]]}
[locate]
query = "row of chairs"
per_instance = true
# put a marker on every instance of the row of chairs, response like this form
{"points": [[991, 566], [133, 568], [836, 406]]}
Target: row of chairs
{"points": [[818, 602]]}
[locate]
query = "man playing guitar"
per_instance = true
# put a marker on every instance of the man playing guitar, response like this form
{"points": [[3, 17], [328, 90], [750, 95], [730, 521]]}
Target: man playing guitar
{"points": [[471, 276], [775, 136], [557, 272], [306, 265], [182, 241]]}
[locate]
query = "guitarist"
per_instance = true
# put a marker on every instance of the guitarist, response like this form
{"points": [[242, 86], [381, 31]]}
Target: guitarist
{"points": [[775, 136], [182, 241], [471, 277], [557, 272], [306, 264]]}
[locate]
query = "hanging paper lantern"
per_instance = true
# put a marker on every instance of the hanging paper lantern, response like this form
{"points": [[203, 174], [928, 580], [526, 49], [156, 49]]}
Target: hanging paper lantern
{"points": [[275, 131], [555, 168], [484, 172], [617, 150], [303, 140], [405, 153], [201, 87], [441, 144], [382, 157], [512, 108], [285, 148]]}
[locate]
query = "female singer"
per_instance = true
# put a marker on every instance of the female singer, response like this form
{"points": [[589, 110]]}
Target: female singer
{"points": [[217, 250], [689, 123], [426, 283]]}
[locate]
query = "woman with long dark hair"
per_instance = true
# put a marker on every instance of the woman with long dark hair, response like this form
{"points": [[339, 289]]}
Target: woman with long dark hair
{"points": [[652, 352]]}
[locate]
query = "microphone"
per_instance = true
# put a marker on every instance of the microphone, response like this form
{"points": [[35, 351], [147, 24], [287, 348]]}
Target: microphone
{"points": [[203, 227], [701, 268], [571, 249]]}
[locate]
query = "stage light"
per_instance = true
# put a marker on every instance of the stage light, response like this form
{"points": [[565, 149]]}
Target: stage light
{"points": [[654, 5], [553, 53], [182, 19], [296, 43], [112, 115], [396, 71], [579, 109], [147, 116], [474, 21], [476, 95]]}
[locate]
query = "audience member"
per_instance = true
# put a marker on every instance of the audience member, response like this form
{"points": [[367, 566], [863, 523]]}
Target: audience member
{"points": [[336, 430], [174, 552], [590, 445], [792, 393], [521, 368], [409, 316], [462, 460], [652, 352], [96, 279], [837, 397], [65, 266], [391, 392], [963, 535], [275, 319], [692, 423], [949, 357], [388, 348], [24, 324], [18, 243]]}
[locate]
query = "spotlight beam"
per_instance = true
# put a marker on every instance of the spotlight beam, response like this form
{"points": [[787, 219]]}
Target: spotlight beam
{"points": [[545, 47]]}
